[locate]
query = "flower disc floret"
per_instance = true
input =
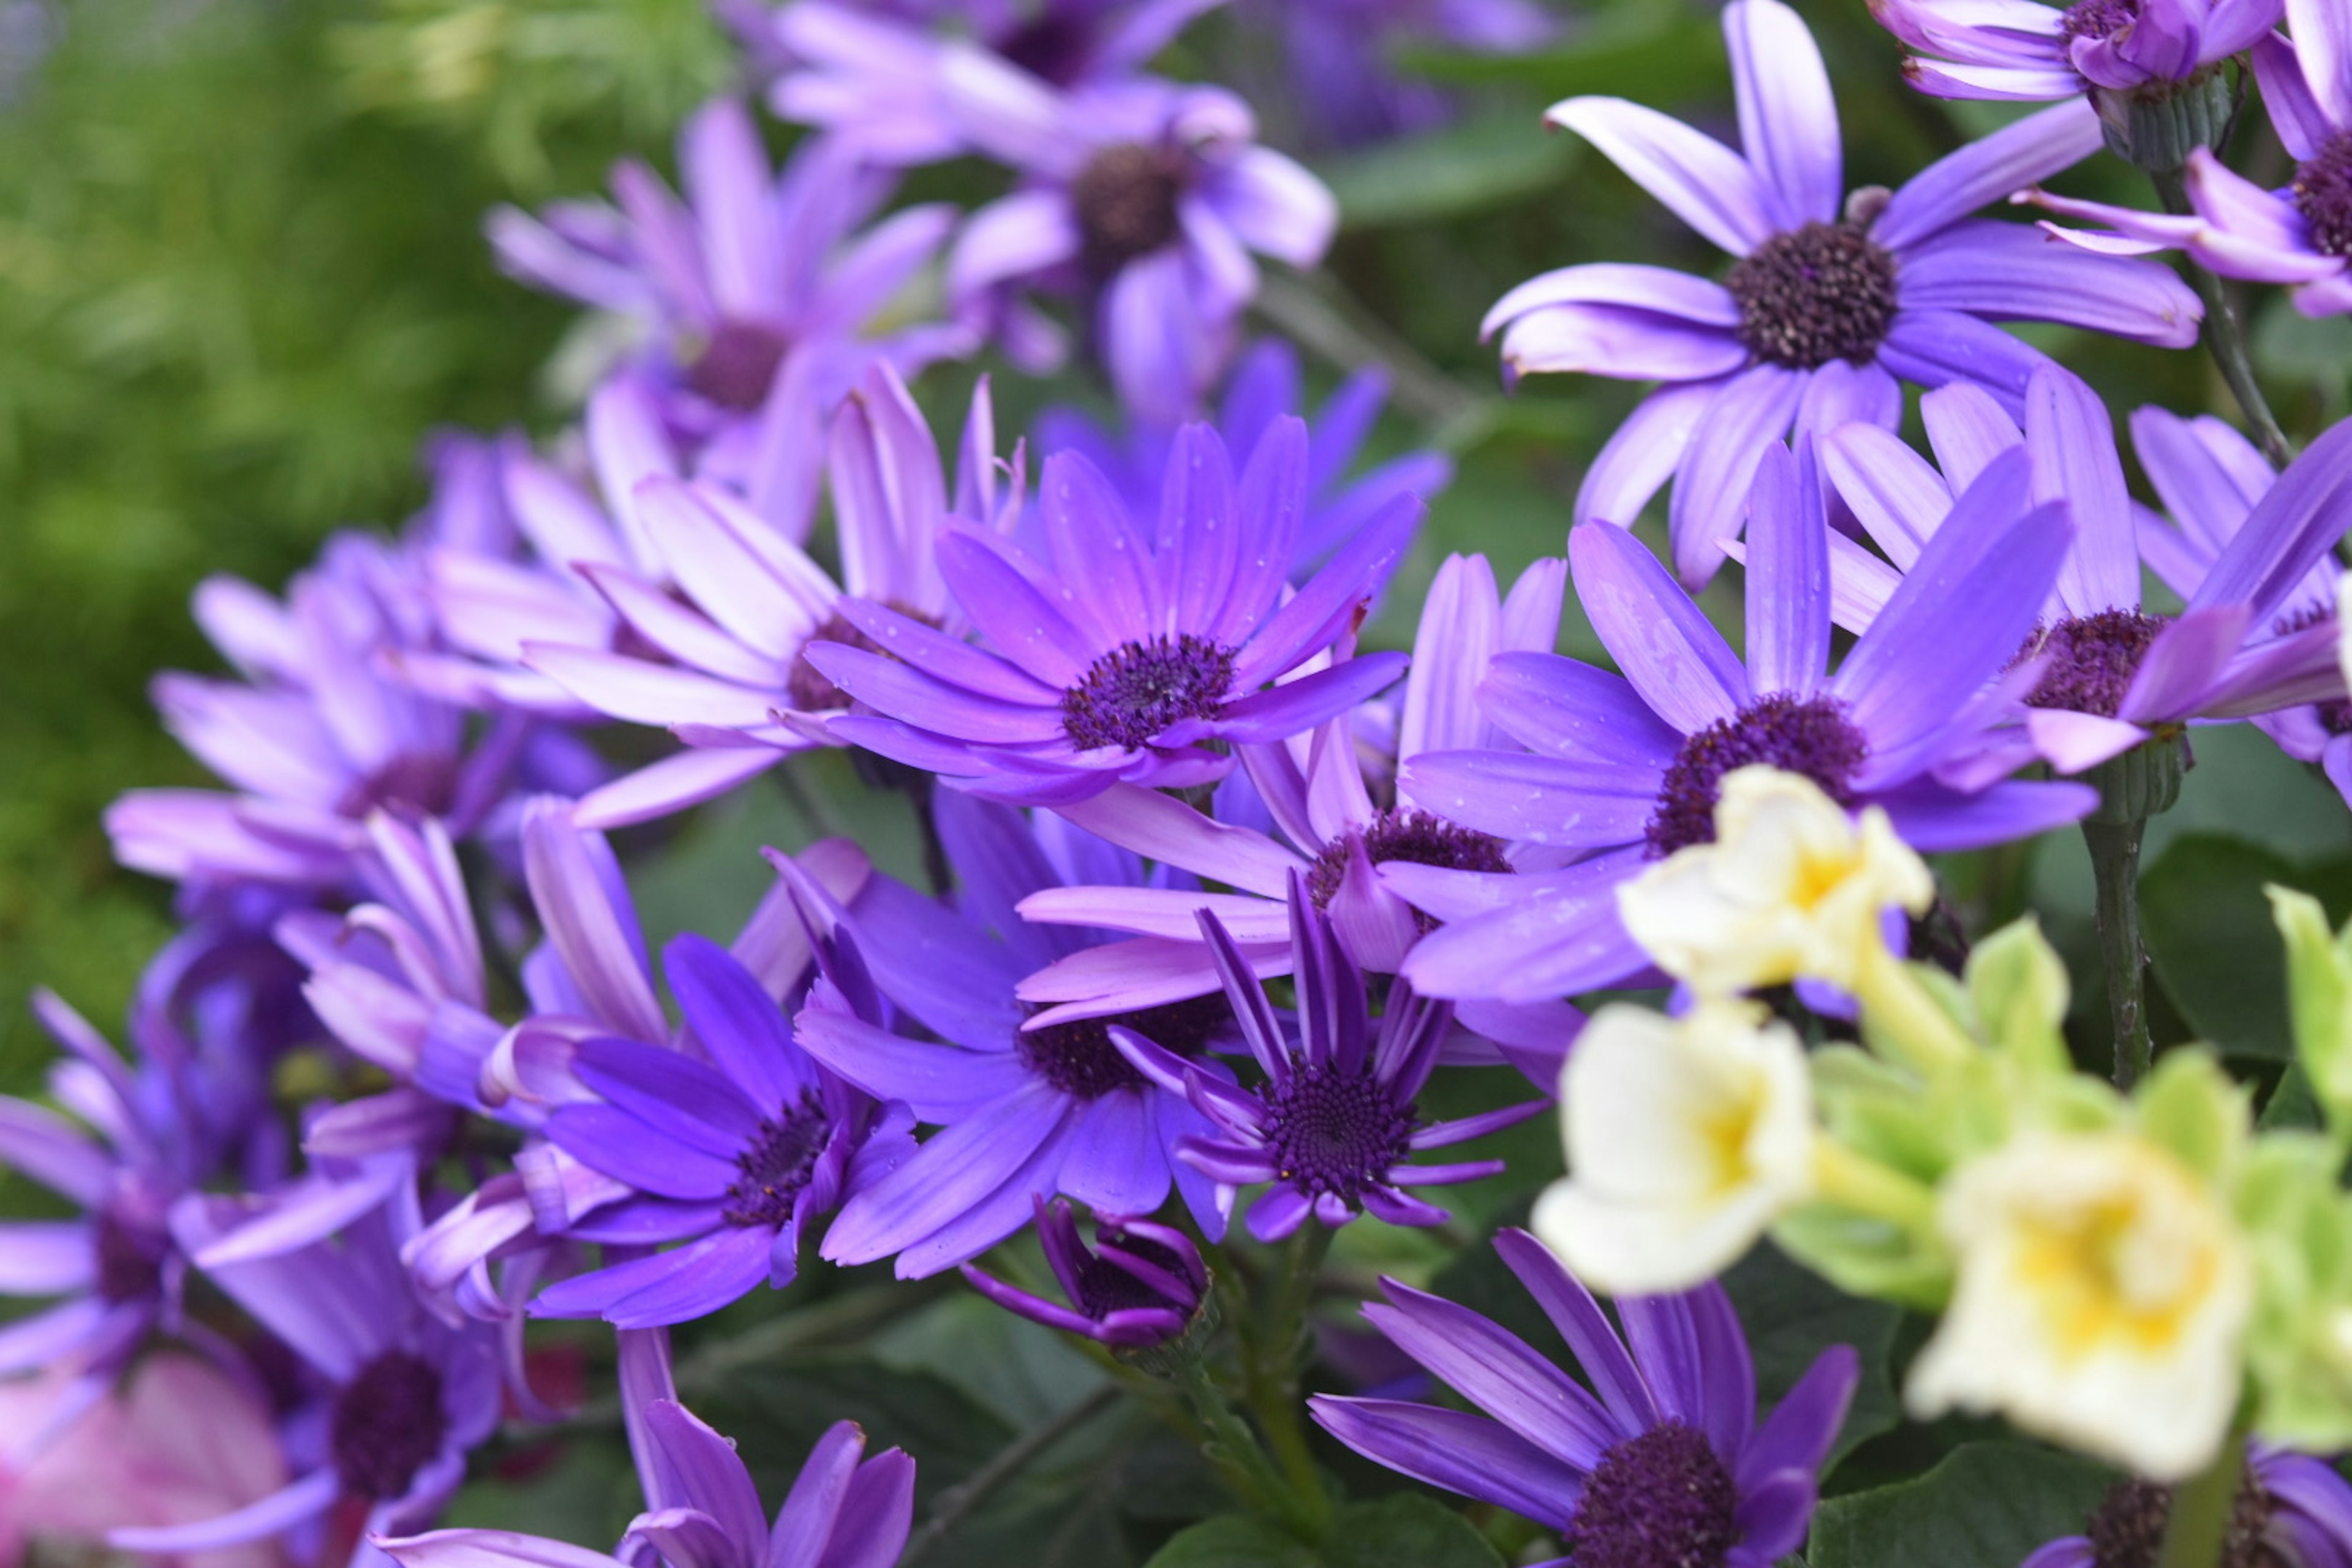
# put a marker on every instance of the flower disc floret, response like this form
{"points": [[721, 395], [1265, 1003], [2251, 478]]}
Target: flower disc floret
{"points": [[738, 363], [1134, 693], [388, 1421], [1078, 1059], [2098, 19], [1820, 292], [1809, 736], [1124, 199], [1331, 1131], [2127, 1529], [1413, 837], [2092, 660], [2323, 195], [777, 1163], [130, 1267], [1662, 1499]]}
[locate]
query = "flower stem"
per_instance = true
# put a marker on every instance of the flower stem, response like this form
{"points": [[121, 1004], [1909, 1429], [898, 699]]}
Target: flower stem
{"points": [[2225, 337], [1278, 1350], [2198, 1534], [1902, 1019], [1857, 1181], [2115, 863], [1241, 1461]]}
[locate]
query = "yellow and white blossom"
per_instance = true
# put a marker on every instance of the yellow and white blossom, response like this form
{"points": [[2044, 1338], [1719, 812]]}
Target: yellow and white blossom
{"points": [[1687, 1138], [1790, 886], [2100, 1298]]}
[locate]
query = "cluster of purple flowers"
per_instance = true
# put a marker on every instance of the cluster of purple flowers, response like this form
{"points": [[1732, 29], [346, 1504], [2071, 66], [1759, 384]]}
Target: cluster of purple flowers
{"points": [[1219, 893]]}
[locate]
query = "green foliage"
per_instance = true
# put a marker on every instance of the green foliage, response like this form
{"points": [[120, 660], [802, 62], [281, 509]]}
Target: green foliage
{"points": [[1400, 1532], [2210, 940], [1988, 1505]]}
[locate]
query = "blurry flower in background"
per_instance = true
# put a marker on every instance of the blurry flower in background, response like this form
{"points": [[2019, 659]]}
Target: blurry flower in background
{"points": [[1344, 77]]}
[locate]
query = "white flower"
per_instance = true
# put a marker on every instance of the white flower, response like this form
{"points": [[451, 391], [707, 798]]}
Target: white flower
{"points": [[2102, 1293], [1790, 886], [1686, 1137]]}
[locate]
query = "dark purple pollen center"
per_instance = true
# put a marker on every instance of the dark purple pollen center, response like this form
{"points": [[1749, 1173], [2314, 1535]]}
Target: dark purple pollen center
{"points": [[807, 690], [1414, 837], [1124, 199], [1808, 735], [2092, 660], [1334, 1132], [1813, 294], [1078, 1059], [1133, 693], [1659, 1500], [130, 1266], [776, 1164], [2098, 19], [735, 369], [423, 784], [2127, 1530], [387, 1423], [2323, 195], [1105, 1287]]}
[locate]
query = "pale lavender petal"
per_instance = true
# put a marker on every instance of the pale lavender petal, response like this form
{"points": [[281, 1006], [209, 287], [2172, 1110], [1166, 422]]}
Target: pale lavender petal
{"points": [[1788, 578], [1987, 171], [1643, 454], [1700, 180], [2072, 444], [1711, 485], [1456, 1451], [1788, 117], [1669, 651]]}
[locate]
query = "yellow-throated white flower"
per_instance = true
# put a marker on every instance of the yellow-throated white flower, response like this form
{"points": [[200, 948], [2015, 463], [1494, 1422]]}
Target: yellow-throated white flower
{"points": [[2102, 1291], [1686, 1137]]}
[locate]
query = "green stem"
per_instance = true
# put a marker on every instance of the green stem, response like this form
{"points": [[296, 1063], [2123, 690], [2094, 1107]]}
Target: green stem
{"points": [[1241, 1461], [2225, 337], [2115, 863], [960, 1500], [2197, 1533], [1278, 1350]]}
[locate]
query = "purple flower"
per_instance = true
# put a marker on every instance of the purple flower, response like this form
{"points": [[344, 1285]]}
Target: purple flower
{"points": [[2022, 50], [715, 643], [1140, 1285], [1141, 198], [2300, 235], [406, 1397], [1335, 1125], [2210, 477], [757, 293], [845, 1510], [2291, 1508], [870, 73], [1309, 808], [1128, 652], [1341, 57], [1624, 770], [1662, 1461], [1025, 1113], [1265, 388], [2251, 639], [1825, 308]]}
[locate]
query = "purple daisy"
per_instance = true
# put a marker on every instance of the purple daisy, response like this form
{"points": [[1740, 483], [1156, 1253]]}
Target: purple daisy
{"points": [[1265, 388], [2300, 235], [1126, 656], [845, 1510], [1334, 1127], [1141, 198], [2290, 1509], [1828, 308], [2250, 640], [2209, 479], [717, 643], [406, 1396], [1140, 1285], [758, 294], [1624, 770], [1024, 1114], [2022, 51], [1659, 1460], [1341, 57]]}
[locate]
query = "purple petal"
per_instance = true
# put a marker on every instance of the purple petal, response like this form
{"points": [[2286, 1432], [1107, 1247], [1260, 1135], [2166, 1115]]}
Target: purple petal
{"points": [[1718, 467], [1987, 171], [280, 1511], [2290, 528], [1565, 708], [1572, 1311], [1114, 1163], [964, 1191], [1496, 1372], [1798, 1433], [1700, 180], [616, 1144], [1788, 578], [1613, 341], [1643, 454], [736, 1021], [1935, 348], [53, 1152], [1669, 651], [1788, 117], [1458, 1452], [2072, 443], [679, 1097]]}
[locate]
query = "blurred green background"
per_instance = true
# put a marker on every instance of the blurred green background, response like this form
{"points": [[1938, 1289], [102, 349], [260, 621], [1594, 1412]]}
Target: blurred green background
{"points": [[242, 276]]}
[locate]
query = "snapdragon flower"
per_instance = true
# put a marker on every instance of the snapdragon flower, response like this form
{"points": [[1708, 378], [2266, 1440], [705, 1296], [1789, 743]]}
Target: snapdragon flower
{"points": [[1828, 308]]}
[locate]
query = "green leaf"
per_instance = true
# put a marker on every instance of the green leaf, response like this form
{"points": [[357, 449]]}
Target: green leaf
{"points": [[775, 1415], [1479, 164], [2212, 944], [1791, 1315], [1231, 1540], [1987, 1505], [1650, 53], [1406, 1531]]}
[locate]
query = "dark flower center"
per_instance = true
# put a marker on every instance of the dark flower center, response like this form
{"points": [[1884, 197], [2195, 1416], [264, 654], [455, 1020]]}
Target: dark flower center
{"points": [[2092, 660], [2335, 716], [1105, 1287], [387, 1423], [1055, 45], [735, 368], [423, 784], [776, 1163], [1125, 205], [1078, 1059], [130, 1266], [1808, 735], [1659, 1500], [1133, 693], [807, 690], [2323, 195], [2098, 19], [1417, 838], [2128, 1528], [1821, 292], [1334, 1132]]}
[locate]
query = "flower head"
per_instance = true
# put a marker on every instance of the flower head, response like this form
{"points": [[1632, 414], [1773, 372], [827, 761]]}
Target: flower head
{"points": [[1660, 1461], [2101, 1291], [1335, 1125], [1127, 653], [1685, 1139], [1341, 55], [2291, 1508], [1140, 1285], [1827, 307], [2023, 53]]}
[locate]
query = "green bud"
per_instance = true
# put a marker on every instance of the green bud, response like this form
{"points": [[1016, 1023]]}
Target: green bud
{"points": [[2319, 1001]]}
